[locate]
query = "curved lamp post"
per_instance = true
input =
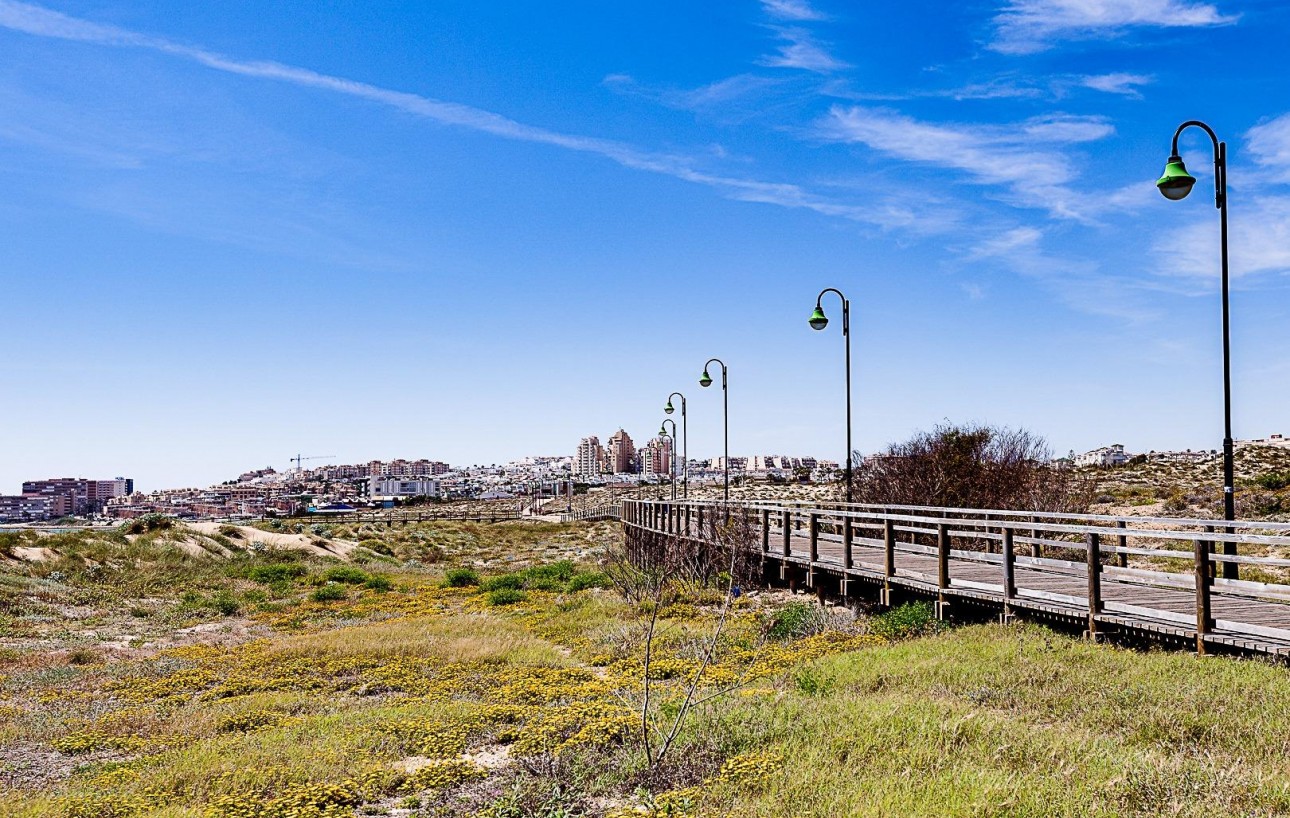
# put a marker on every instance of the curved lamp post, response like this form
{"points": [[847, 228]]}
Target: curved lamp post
{"points": [[818, 321], [685, 441], [705, 380], [1175, 184], [662, 430]]}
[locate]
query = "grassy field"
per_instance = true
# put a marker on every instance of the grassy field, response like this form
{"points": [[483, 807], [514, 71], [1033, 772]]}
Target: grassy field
{"points": [[459, 669]]}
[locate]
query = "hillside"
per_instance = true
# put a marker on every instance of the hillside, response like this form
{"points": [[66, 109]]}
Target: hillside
{"points": [[1195, 488]]}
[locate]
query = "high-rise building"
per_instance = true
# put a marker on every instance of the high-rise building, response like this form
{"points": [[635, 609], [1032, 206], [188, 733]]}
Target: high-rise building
{"points": [[589, 459], [79, 495], [656, 457], [621, 453]]}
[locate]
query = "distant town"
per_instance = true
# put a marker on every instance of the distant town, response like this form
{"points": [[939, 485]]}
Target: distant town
{"points": [[375, 484]]}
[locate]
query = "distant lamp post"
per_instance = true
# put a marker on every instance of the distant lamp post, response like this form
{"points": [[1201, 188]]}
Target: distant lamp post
{"points": [[1175, 183], [685, 442], [705, 380], [818, 321], [671, 455]]}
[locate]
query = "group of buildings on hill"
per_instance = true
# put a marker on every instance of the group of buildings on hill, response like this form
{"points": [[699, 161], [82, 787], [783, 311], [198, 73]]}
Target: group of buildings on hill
{"points": [[62, 497], [593, 462]]}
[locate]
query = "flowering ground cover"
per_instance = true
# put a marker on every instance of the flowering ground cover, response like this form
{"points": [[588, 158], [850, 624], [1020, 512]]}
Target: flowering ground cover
{"points": [[457, 687]]}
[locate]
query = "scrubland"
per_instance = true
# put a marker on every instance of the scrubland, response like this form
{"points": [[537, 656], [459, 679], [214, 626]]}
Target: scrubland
{"points": [[454, 669]]}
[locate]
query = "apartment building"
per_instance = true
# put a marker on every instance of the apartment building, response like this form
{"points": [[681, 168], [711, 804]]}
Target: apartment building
{"points": [[621, 453], [23, 507], [1113, 455], [656, 457], [388, 488], [589, 458]]}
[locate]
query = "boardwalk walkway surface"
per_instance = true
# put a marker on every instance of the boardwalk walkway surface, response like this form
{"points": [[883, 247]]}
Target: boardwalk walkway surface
{"points": [[1124, 575]]}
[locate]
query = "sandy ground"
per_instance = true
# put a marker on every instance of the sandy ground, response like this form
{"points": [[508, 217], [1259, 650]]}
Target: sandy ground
{"points": [[300, 542]]}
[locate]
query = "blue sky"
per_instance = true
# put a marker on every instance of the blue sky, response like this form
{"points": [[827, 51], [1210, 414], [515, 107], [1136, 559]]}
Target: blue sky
{"points": [[472, 231]]}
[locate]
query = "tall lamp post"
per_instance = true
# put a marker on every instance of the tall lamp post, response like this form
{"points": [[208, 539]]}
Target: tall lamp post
{"points": [[818, 322], [1175, 184], [705, 380], [662, 430], [685, 441], [671, 438]]}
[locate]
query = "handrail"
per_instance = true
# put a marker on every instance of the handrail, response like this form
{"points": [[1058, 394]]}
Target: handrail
{"points": [[957, 552]]}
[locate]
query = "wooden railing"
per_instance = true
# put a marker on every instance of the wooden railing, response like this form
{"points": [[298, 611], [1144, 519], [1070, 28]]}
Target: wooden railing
{"points": [[1153, 574], [606, 511]]}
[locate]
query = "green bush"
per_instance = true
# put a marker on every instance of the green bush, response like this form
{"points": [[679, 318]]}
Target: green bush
{"points": [[379, 583], [505, 596], [586, 579], [346, 574], [461, 578], [513, 582], [910, 619], [225, 603], [329, 593], [275, 572], [1273, 481], [795, 620], [149, 522]]}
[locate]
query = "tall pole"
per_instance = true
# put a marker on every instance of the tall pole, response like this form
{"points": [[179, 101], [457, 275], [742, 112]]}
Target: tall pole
{"points": [[706, 380], [1175, 184], [685, 441], [819, 321]]}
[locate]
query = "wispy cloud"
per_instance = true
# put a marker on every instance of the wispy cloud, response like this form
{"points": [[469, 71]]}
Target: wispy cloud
{"points": [[799, 49], [723, 93], [1029, 26], [1259, 245], [42, 22], [1121, 83], [1270, 144], [792, 10], [1022, 158]]}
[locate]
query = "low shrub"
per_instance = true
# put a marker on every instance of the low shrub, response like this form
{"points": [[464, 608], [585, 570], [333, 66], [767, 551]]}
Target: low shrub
{"points": [[331, 592], [275, 572], [1273, 481], [346, 574], [225, 603], [513, 582], [461, 578], [586, 579], [378, 583], [149, 522], [904, 621], [504, 596], [795, 620]]}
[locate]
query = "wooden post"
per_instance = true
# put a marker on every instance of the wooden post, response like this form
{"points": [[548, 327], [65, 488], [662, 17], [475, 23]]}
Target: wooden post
{"points": [[1094, 551], [848, 534], [942, 566], [786, 531], [699, 525], [1009, 572], [1213, 565], [813, 525], [1204, 619], [1122, 542], [888, 558], [1036, 550]]}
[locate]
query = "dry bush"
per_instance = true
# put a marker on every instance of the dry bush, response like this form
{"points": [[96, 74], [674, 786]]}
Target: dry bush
{"points": [[972, 466]]}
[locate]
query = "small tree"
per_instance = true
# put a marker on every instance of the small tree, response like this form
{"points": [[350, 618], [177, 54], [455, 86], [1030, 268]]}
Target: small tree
{"points": [[971, 467]]}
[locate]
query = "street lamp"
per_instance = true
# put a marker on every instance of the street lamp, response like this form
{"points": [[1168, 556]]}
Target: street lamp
{"points": [[662, 432], [685, 441], [818, 322], [1175, 184], [705, 380]]}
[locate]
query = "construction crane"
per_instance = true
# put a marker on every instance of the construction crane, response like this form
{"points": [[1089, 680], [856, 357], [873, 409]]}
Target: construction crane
{"points": [[298, 459]]}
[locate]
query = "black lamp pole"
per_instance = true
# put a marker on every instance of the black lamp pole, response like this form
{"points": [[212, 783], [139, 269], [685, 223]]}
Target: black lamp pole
{"points": [[818, 321], [685, 442], [1175, 184], [706, 380]]}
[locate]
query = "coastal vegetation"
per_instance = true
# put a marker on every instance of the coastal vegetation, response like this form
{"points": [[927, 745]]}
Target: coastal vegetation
{"points": [[139, 677]]}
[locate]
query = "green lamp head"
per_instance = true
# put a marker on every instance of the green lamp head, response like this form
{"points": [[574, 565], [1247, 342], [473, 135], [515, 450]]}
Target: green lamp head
{"points": [[662, 430], [669, 408], [817, 319], [705, 379], [1176, 182]]}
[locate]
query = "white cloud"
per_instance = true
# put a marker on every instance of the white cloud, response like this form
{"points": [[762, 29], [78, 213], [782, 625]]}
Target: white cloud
{"points": [[1270, 144], [1120, 83], [46, 23], [791, 10], [1259, 243], [800, 50], [1029, 26], [1021, 158]]}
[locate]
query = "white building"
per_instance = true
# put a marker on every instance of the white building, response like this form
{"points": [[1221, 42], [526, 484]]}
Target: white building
{"points": [[1113, 455], [586, 463], [379, 488]]}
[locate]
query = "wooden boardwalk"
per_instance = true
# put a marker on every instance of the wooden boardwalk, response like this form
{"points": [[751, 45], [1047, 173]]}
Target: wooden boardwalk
{"points": [[1111, 575]]}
